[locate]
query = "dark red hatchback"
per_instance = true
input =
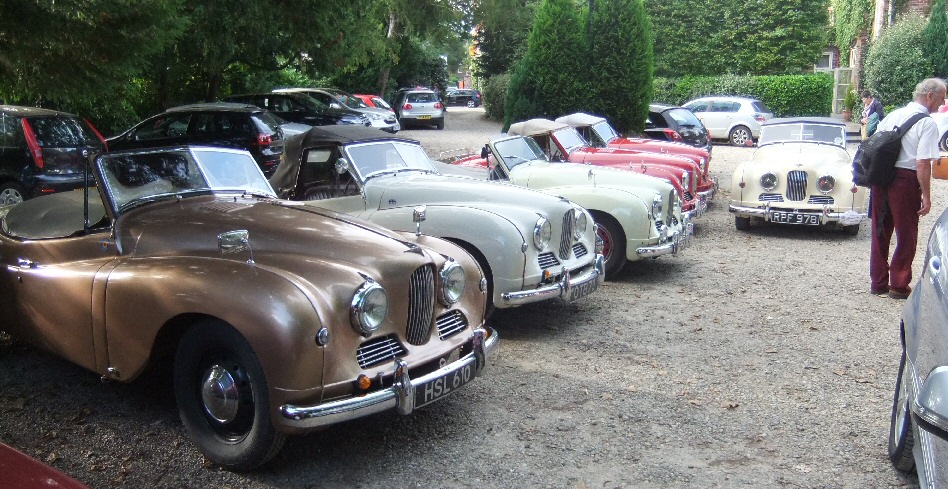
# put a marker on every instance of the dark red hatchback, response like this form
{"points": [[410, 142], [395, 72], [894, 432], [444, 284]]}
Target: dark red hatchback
{"points": [[43, 151]]}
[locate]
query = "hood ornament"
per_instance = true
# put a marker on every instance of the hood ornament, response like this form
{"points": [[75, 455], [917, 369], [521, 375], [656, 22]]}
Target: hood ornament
{"points": [[417, 216]]}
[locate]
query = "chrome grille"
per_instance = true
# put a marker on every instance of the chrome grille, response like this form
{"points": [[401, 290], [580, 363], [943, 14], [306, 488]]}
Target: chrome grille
{"points": [[566, 237], [547, 260], [659, 225], [796, 185], [421, 298], [378, 350], [820, 200], [450, 324], [579, 250], [770, 198], [689, 196]]}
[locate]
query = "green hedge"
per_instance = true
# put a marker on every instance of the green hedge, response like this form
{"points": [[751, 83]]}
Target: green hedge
{"points": [[785, 95], [495, 93]]}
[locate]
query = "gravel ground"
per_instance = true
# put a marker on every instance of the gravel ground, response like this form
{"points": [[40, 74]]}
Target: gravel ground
{"points": [[752, 359]]}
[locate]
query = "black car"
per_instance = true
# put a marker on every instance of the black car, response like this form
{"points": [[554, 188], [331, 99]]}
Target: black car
{"points": [[463, 97], [42, 152], [300, 107], [226, 125], [673, 123]]}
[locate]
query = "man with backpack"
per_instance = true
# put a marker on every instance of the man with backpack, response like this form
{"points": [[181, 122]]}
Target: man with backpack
{"points": [[898, 205]]}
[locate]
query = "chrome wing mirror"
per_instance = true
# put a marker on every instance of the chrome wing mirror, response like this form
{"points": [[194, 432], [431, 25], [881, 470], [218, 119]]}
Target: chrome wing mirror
{"points": [[235, 242]]}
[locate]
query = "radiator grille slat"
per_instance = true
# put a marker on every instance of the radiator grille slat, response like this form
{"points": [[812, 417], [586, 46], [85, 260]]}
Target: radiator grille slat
{"points": [[770, 198], [796, 185], [378, 350], [579, 250], [450, 324], [566, 237], [420, 306], [547, 260], [821, 200]]}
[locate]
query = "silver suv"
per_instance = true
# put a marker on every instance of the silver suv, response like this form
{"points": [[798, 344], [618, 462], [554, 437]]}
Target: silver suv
{"points": [[736, 119], [419, 106]]}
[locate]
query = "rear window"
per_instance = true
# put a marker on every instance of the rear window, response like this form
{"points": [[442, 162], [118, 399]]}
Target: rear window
{"points": [[266, 123], [683, 117], [759, 106], [61, 132], [422, 97]]}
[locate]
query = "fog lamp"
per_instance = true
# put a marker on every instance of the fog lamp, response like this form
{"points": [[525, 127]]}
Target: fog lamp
{"points": [[364, 382]]}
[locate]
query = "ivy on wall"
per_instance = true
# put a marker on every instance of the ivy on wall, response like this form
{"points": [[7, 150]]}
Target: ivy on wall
{"points": [[851, 18]]}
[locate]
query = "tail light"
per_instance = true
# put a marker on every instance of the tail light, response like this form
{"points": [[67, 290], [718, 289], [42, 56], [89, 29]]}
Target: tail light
{"points": [[97, 134], [263, 139], [33, 144], [406, 107], [438, 105], [673, 135], [759, 118]]}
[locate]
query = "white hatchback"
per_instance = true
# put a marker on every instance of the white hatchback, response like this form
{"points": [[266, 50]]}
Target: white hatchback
{"points": [[736, 119]]}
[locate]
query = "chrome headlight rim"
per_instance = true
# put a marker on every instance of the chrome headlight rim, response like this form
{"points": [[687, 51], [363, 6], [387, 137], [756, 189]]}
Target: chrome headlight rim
{"points": [[768, 181], [453, 279], [542, 233], [826, 183], [369, 307], [658, 205], [686, 181], [580, 224]]}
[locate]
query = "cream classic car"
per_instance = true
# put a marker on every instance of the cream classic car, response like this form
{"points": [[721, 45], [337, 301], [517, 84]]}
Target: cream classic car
{"points": [[532, 246], [637, 216], [800, 174]]}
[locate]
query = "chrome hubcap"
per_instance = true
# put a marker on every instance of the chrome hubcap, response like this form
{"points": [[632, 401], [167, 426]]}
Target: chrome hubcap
{"points": [[10, 196], [220, 394]]}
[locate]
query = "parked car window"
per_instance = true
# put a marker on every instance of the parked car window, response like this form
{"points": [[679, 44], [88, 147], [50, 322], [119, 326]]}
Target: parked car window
{"points": [[518, 150], [381, 103], [759, 106], [163, 127], [56, 132], [569, 138], [266, 123], [373, 158], [684, 117], [422, 97], [8, 130], [723, 106], [697, 106]]}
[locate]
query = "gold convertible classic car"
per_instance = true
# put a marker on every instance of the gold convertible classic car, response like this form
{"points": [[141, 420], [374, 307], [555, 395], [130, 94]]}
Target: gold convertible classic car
{"points": [[278, 318]]}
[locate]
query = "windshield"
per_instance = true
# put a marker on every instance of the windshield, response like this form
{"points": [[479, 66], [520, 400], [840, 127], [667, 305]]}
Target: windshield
{"points": [[515, 151], [132, 178], [375, 158], [381, 103], [569, 138], [604, 131], [803, 132]]}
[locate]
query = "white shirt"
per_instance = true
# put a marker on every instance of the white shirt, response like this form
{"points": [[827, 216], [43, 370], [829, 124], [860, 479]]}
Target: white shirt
{"points": [[920, 142]]}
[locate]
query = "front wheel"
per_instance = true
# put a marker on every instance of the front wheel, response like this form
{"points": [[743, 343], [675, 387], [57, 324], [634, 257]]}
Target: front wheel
{"points": [[740, 135], [471, 104], [222, 397], [613, 244], [901, 438], [742, 223]]}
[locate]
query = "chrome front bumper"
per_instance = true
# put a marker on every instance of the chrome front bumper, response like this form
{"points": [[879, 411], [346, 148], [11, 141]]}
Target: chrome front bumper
{"points": [[592, 277], [400, 396], [847, 218], [700, 207], [678, 241]]}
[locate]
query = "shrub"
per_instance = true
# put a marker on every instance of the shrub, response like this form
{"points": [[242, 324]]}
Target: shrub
{"points": [[895, 63], [494, 94]]}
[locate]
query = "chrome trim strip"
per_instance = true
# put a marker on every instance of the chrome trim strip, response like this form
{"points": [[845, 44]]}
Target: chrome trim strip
{"points": [[764, 213], [595, 273], [399, 397]]}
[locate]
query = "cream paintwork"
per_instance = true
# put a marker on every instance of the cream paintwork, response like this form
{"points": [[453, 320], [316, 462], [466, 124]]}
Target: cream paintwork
{"points": [[816, 160]]}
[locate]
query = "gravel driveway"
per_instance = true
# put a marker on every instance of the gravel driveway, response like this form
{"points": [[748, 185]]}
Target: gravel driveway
{"points": [[752, 359]]}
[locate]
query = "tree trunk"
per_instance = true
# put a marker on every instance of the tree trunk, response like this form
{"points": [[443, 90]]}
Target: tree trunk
{"points": [[389, 40]]}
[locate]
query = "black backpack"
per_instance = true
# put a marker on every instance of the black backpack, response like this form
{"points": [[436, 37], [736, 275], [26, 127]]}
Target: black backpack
{"points": [[874, 163]]}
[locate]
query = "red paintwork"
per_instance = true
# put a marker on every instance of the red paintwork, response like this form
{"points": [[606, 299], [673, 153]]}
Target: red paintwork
{"points": [[666, 147], [17, 470]]}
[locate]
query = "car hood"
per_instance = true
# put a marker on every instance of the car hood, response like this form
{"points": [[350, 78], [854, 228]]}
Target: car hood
{"points": [[408, 189], [622, 158], [799, 156], [658, 146], [543, 174], [278, 230]]}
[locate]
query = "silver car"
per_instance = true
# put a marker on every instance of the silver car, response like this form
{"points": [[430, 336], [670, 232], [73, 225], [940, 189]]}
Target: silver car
{"points": [[736, 119], [419, 106], [379, 118], [918, 434]]}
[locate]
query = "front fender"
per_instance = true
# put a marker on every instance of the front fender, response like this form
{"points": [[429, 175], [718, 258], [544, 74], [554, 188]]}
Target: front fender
{"points": [[627, 208], [273, 313], [498, 239]]}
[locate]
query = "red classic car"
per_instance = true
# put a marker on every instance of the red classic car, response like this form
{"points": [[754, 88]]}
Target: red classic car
{"points": [[597, 131], [562, 142]]}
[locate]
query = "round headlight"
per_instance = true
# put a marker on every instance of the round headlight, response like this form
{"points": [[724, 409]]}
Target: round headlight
{"points": [[580, 223], [542, 233], [657, 205], [686, 181], [768, 181], [369, 307], [452, 282], [826, 184]]}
